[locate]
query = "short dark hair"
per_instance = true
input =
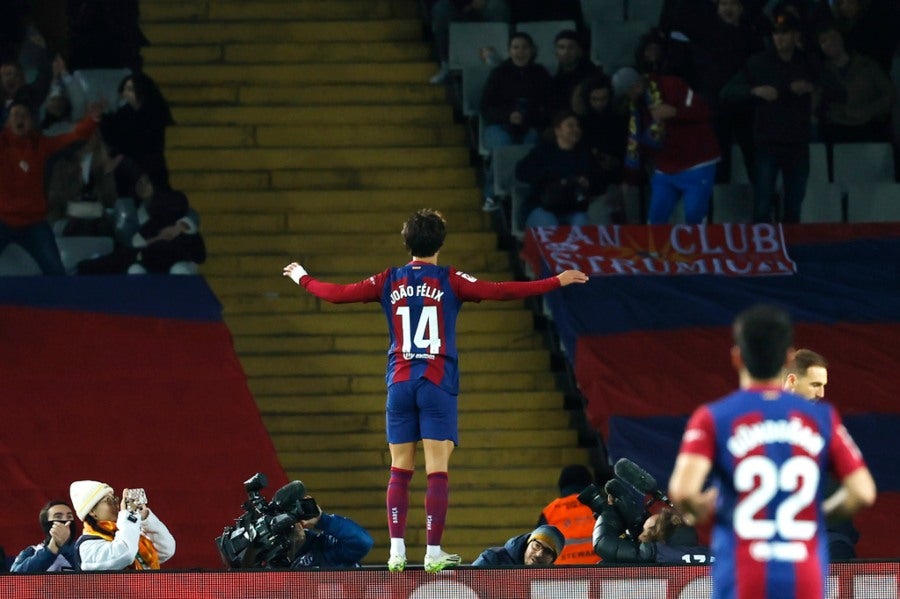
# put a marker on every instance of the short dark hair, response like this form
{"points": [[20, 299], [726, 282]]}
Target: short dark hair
{"points": [[764, 334], [44, 515], [424, 232], [522, 35], [569, 34], [804, 359]]}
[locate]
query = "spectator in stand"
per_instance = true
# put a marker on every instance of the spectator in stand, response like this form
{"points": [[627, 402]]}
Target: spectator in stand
{"points": [[563, 175], [605, 128], [23, 204], [14, 88], [781, 82], [574, 519], [167, 238], [118, 533], [676, 125], [137, 131], [444, 12], [869, 27], [540, 547], [866, 113], [57, 551], [721, 44], [513, 104], [650, 53], [82, 191], [57, 107], [574, 67]]}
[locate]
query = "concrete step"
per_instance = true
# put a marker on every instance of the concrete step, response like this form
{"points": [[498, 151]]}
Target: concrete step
{"points": [[353, 323], [231, 93], [298, 222], [274, 10], [326, 53], [327, 264], [248, 345], [309, 460], [250, 159], [209, 32], [318, 386], [315, 244], [498, 440], [363, 423], [373, 72], [337, 136], [360, 114], [347, 203], [370, 363], [373, 403], [259, 182]]}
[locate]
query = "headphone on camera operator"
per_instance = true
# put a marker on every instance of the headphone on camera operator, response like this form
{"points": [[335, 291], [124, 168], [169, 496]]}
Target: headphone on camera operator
{"points": [[626, 531]]}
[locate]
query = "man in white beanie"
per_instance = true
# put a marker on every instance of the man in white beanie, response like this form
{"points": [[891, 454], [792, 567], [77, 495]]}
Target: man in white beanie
{"points": [[118, 534]]}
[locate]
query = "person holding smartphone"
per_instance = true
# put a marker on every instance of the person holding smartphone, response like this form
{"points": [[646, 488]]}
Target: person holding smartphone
{"points": [[119, 534]]}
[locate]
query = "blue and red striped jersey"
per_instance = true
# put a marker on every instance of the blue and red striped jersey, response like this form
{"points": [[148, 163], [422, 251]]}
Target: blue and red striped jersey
{"points": [[421, 302], [770, 453]]}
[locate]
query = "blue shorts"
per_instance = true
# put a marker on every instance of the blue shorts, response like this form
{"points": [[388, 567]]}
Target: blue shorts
{"points": [[419, 410]]}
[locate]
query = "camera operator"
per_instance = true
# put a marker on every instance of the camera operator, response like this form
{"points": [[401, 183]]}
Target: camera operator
{"points": [[327, 540]]}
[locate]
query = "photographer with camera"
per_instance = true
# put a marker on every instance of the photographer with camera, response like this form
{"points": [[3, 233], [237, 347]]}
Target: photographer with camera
{"points": [[625, 530], [119, 534], [291, 531]]}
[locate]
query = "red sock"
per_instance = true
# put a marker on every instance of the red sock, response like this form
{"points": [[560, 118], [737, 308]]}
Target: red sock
{"points": [[398, 501], [437, 495]]}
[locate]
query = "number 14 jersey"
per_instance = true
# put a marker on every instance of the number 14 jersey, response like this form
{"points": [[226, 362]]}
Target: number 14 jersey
{"points": [[770, 451]]}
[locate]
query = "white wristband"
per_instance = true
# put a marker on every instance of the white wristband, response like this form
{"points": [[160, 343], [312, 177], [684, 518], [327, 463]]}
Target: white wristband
{"points": [[298, 273]]}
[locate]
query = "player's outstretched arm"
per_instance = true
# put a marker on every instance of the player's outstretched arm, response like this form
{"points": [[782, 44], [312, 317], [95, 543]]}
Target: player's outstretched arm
{"points": [[294, 272], [567, 277], [856, 492]]}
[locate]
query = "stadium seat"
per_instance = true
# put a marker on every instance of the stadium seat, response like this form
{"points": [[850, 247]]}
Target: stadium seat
{"points": [[466, 39], [96, 85], [873, 202], [823, 203], [739, 174], [73, 250], [473, 79], [543, 33], [644, 10], [732, 203], [504, 162], [517, 214], [14, 261], [603, 10], [613, 44], [863, 163]]}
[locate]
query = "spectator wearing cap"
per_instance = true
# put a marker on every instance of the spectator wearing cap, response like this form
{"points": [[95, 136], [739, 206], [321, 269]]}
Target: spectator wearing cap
{"points": [[573, 67], [23, 205], [780, 82], [539, 547], [572, 518], [117, 536]]}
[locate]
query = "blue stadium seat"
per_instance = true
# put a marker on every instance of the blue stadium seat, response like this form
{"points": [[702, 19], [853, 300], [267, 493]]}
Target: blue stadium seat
{"points": [[603, 10], [504, 162], [14, 261], [613, 44], [94, 85], [644, 10], [732, 203], [466, 39], [473, 79], [73, 250], [873, 202]]}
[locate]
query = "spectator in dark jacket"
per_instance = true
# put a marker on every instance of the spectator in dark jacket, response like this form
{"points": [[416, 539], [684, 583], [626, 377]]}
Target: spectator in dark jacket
{"points": [[57, 551], [514, 103], [573, 67], [540, 547], [781, 82]]}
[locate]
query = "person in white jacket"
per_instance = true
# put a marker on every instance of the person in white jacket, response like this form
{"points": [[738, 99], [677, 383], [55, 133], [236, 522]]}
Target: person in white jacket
{"points": [[118, 534]]}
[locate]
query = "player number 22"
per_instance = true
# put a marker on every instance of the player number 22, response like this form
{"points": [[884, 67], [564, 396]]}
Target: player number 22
{"points": [[427, 331], [761, 478]]}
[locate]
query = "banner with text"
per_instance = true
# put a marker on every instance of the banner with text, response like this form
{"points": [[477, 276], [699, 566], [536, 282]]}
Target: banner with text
{"points": [[737, 250]]}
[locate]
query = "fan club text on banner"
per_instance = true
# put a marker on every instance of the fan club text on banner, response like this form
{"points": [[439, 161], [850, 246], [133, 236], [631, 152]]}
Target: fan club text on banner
{"points": [[722, 249]]}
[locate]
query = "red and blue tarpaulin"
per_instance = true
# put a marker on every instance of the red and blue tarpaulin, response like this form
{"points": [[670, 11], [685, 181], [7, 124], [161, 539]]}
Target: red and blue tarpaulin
{"points": [[132, 381], [649, 336]]}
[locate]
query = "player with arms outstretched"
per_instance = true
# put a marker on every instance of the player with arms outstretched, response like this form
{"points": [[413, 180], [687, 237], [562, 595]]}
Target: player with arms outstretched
{"points": [[768, 452], [421, 301]]}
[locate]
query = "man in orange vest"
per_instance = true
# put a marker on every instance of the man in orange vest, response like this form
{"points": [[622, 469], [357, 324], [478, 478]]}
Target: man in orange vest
{"points": [[574, 519]]}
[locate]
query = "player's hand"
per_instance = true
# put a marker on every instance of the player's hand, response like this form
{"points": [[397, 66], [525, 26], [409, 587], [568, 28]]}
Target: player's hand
{"points": [[567, 277], [702, 507], [294, 272]]}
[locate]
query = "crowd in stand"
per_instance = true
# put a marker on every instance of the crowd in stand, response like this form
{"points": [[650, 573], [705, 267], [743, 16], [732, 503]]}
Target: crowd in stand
{"points": [[77, 170], [769, 78]]}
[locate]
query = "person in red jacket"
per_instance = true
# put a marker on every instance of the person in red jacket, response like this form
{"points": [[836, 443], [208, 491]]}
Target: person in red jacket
{"points": [[676, 124], [23, 202]]}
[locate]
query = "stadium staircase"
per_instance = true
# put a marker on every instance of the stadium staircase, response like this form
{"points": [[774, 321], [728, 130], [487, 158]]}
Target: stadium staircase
{"points": [[307, 131]]}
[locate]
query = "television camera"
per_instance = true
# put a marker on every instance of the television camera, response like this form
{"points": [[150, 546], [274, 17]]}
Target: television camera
{"points": [[261, 536]]}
